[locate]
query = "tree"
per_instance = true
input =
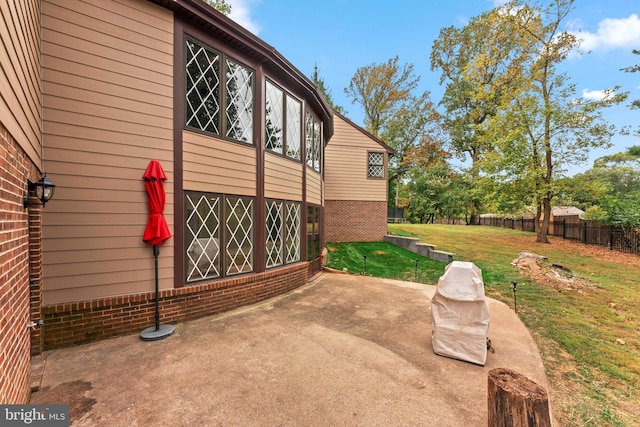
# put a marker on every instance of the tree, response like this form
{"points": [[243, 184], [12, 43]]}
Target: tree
{"points": [[220, 5], [410, 124], [319, 81], [610, 191], [415, 133], [437, 191], [541, 126], [634, 69], [474, 94], [381, 90]]}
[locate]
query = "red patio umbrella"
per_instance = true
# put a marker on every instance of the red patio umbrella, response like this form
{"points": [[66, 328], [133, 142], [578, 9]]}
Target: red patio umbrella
{"points": [[157, 231], [155, 234]]}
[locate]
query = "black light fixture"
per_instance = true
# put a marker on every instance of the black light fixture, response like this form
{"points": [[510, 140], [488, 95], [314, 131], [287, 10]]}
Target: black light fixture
{"points": [[44, 192]]}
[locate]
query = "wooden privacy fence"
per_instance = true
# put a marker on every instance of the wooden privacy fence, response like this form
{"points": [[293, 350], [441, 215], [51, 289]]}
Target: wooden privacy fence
{"points": [[587, 232]]}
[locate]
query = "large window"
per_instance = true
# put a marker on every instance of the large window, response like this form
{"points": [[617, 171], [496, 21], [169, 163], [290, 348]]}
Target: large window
{"points": [[239, 235], [204, 93], [293, 222], [202, 236], [282, 232], [282, 111], [313, 142], [274, 233], [375, 165], [202, 88], [215, 248]]}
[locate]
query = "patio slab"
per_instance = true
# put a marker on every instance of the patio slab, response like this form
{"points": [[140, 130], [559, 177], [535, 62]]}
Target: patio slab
{"points": [[342, 350]]}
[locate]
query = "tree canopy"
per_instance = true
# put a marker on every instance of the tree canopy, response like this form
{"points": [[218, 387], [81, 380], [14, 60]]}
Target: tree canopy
{"points": [[220, 5], [509, 106], [326, 92]]}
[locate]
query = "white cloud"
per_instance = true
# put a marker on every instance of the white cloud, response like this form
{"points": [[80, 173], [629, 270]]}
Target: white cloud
{"points": [[597, 95], [612, 33], [241, 13]]}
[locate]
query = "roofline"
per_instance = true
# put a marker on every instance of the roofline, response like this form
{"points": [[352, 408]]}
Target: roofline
{"points": [[198, 12], [389, 150]]}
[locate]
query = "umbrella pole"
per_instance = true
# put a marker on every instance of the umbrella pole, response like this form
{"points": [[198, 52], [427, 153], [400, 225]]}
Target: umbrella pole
{"points": [[157, 332], [156, 252]]}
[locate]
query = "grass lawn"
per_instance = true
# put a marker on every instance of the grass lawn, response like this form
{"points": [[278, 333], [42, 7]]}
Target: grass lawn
{"points": [[588, 331]]}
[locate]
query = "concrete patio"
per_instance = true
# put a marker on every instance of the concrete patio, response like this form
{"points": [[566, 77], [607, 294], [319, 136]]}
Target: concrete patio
{"points": [[342, 350]]}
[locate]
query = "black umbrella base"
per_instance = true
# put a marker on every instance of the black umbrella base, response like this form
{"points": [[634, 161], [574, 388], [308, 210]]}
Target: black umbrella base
{"points": [[151, 334]]}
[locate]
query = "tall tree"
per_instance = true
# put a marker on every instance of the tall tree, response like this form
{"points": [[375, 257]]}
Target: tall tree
{"points": [[542, 116], [393, 113], [381, 90], [319, 81], [220, 5], [474, 94], [535, 124]]}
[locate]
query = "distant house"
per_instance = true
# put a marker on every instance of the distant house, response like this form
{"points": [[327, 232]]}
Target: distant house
{"points": [[356, 184], [567, 215], [570, 214]]}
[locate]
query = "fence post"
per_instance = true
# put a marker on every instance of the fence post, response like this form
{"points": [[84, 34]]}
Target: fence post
{"points": [[610, 238], [522, 224], [585, 232], [564, 228]]}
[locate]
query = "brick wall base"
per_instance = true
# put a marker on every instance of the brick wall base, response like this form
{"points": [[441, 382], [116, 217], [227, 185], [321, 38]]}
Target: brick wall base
{"points": [[15, 342], [354, 221], [81, 322]]}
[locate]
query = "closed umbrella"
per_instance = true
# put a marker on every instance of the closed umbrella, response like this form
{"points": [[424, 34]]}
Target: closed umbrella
{"points": [[156, 234]]}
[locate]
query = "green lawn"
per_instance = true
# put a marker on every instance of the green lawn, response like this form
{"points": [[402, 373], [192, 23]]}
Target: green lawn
{"points": [[588, 333], [383, 260]]}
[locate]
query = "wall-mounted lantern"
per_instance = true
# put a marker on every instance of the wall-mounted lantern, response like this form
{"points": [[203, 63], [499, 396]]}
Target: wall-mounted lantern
{"points": [[44, 192]]}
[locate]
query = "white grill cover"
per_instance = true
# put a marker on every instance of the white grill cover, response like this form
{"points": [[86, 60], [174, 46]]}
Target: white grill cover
{"points": [[460, 315]]}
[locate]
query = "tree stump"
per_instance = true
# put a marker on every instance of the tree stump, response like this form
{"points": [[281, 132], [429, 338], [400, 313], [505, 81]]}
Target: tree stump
{"points": [[516, 401]]}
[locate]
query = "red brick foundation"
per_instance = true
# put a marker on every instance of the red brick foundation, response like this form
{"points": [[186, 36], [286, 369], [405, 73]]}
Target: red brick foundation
{"points": [[15, 346], [81, 322], [354, 221]]}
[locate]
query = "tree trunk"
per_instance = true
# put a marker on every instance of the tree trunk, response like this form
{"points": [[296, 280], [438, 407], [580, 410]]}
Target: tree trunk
{"points": [[544, 228], [516, 401], [397, 191]]}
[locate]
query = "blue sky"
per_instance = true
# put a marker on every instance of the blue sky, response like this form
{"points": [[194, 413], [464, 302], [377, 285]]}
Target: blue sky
{"points": [[343, 35]]}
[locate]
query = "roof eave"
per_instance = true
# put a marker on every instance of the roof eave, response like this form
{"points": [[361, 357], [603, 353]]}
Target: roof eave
{"points": [[200, 13]]}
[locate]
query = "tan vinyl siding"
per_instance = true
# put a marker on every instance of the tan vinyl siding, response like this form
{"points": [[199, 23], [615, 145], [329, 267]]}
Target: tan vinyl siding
{"points": [[218, 166], [282, 178], [346, 161], [20, 85], [108, 110], [314, 187]]}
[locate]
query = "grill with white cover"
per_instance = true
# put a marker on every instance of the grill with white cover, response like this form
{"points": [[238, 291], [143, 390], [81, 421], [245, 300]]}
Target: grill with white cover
{"points": [[460, 315]]}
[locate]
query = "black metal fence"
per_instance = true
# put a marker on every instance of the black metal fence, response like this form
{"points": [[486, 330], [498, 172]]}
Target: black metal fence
{"points": [[587, 232]]}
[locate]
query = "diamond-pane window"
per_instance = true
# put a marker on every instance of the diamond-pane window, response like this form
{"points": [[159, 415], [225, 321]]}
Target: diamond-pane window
{"points": [[239, 114], [202, 88], [274, 232], [294, 109], [202, 236], [239, 235], [309, 139], [376, 165], [316, 145], [293, 232], [274, 120]]}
